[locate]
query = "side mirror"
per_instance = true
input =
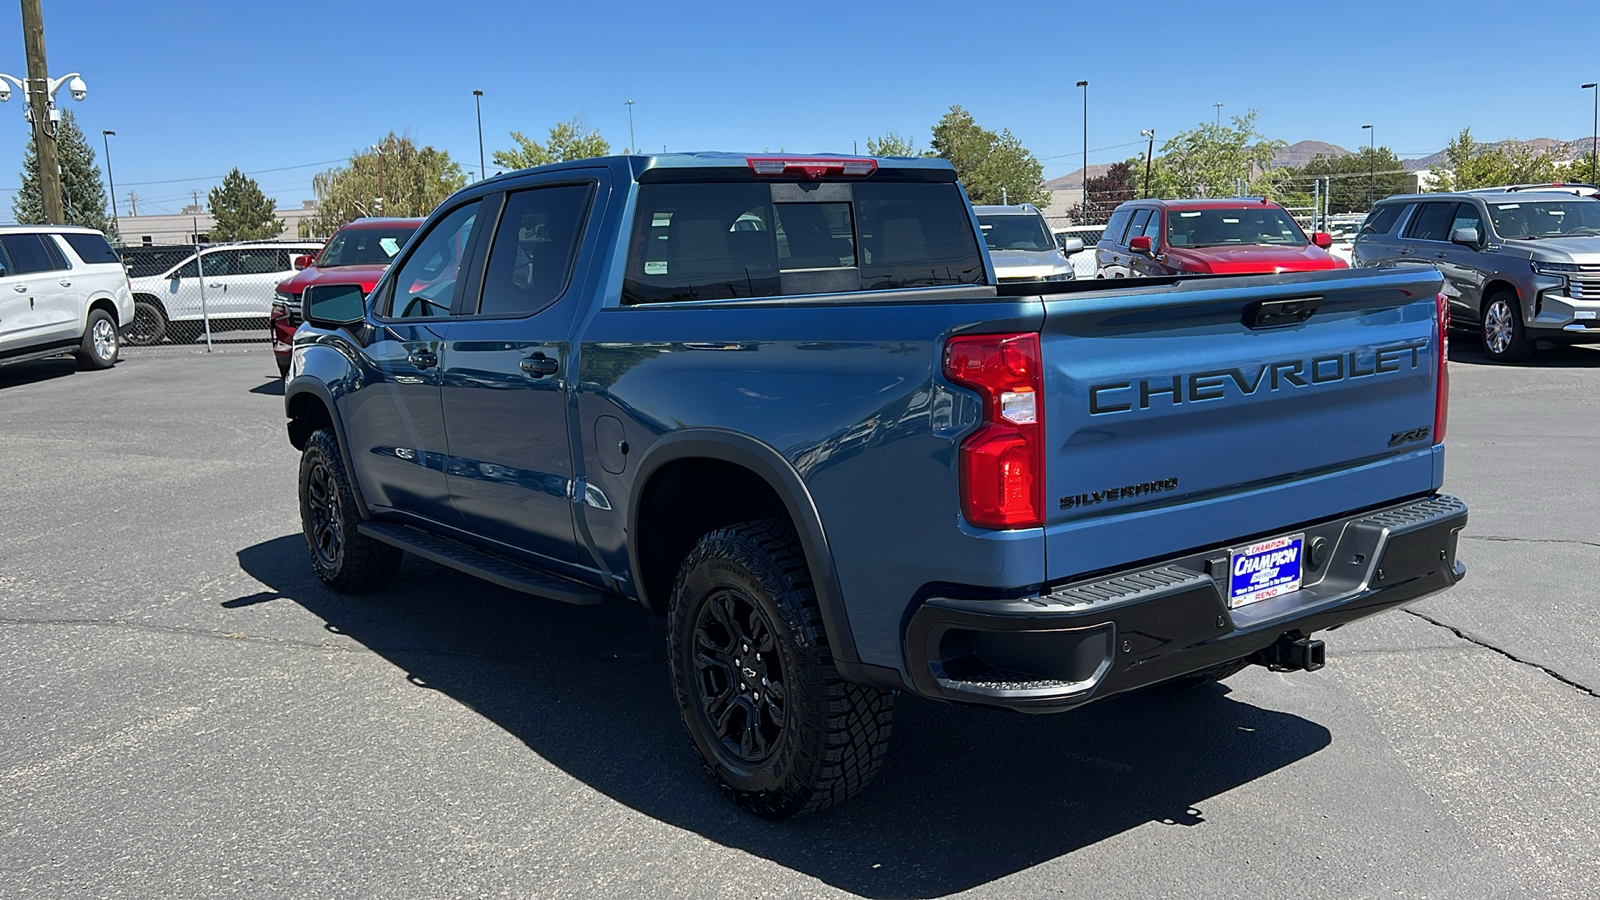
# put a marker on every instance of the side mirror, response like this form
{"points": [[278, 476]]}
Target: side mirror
{"points": [[301, 262], [1465, 236], [1322, 239], [334, 305], [1140, 244], [1071, 244]]}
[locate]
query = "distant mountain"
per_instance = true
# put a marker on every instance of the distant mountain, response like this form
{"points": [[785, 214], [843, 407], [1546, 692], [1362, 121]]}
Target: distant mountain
{"points": [[1297, 155], [1575, 149], [1073, 181]]}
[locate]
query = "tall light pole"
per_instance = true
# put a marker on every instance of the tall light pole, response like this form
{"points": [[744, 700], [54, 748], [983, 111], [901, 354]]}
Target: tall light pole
{"points": [[1594, 137], [633, 146], [477, 100], [1218, 105], [115, 224], [1372, 163], [1085, 86], [1149, 151]]}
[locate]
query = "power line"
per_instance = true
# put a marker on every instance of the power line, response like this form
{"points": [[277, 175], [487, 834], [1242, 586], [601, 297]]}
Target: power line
{"points": [[328, 162]]}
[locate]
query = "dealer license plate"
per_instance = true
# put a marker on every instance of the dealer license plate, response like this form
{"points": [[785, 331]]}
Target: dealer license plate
{"points": [[1265, 570]]}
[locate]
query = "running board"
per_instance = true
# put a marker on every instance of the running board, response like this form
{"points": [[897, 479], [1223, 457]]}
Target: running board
{"points": [[472, 561]]}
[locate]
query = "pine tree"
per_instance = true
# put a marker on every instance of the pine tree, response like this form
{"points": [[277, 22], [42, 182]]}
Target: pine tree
{"points": [[83, 196], [240, 211]]}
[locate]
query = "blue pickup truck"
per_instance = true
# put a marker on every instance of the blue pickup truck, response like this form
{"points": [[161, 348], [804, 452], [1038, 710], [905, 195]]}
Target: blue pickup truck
{"points": [[784, 402]]}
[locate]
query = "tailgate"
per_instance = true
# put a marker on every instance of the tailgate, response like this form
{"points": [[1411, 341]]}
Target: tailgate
{"points": [[1179, 417]]}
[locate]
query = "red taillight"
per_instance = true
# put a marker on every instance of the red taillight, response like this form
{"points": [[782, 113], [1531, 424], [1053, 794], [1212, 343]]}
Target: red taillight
{"points": [[1002, 463], [854, 166], [1441, 408]]}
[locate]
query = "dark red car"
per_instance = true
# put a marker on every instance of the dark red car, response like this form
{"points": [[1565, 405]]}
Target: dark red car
{"points": [[1233, 236], [358, 253]]}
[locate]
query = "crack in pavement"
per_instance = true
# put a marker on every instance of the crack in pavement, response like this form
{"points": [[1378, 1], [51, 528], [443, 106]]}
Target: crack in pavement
{"points": [[1516, 540], [1473, 639]]}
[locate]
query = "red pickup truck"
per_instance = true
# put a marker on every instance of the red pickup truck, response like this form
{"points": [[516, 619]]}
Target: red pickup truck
{"points": [[1227, 236], [358, 253]]}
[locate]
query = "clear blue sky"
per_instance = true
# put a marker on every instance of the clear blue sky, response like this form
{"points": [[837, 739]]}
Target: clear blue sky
{"points": [[195, 88]]}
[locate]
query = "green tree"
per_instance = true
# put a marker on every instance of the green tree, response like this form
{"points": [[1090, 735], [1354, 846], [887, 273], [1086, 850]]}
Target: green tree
{"points": [[1211, 160], [1355, 181], [568, 140], [1469, 164], [393, 178], [240, 211], [893, 144], [993, 167], [82, 194]]}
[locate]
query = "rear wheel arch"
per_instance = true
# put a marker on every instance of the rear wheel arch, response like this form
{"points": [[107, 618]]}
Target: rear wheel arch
{"points": [[714, 478], [107, 304]]}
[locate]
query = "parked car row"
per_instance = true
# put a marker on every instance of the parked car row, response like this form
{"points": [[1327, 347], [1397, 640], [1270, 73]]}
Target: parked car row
{"points": [[1233, 236]]}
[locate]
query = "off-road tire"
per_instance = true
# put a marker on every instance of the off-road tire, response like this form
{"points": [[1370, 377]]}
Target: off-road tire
{"points": [[347, 560], [149, 324], [1504, 338], [828, 737], [101, 344]]}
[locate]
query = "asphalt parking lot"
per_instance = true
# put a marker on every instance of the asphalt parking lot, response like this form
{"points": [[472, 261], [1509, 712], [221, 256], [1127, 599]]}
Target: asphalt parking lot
{"points": [[185, 711]]}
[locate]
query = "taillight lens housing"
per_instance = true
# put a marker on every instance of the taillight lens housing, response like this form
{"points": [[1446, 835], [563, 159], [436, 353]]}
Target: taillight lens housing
{"points": [[1002, 463], [1441, 407]]}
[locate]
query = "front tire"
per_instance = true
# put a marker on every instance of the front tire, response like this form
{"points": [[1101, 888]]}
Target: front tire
{"points": [[347, 560], [1504, 338], [101, 345], [775, 725], [149, 323]]}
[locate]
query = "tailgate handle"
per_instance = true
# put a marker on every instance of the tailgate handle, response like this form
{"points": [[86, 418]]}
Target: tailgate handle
{"points": [[1278, 313]]}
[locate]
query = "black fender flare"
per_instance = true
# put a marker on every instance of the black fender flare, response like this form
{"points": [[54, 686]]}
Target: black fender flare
{"points": [[769, 465], [301, 386]]}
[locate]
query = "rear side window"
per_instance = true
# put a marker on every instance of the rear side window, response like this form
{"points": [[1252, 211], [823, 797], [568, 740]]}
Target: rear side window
{"points": [[91, 248], [531, 259], [1382, 219], [1432, 222], [1117, 225], [724, 241], [32, 253], [1141, 218]]}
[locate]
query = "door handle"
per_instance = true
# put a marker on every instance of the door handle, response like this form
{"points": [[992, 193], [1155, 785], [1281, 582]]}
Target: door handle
{"points": [[1405, 251], [20, 288], [423, 359], [218, 285], [539, 365], [1439, 255], [66, 283]]}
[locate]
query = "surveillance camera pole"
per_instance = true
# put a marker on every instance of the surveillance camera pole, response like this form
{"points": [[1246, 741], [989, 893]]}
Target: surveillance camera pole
{"points": [[38, 100]]}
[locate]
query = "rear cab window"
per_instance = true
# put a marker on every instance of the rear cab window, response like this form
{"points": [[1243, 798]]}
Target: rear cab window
{"points": [[734, 240]]}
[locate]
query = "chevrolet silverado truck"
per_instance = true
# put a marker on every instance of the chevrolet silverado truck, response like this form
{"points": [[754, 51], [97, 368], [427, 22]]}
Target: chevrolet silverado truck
{"points": [[784, 402]]}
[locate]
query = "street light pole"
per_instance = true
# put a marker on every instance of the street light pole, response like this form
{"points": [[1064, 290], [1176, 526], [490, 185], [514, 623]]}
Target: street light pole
{"points": [[115, 224], [1594, 138], [1372, 163], [1085, 86], [633, 146], [1149, 151], [1218, 105], [477, 100]]}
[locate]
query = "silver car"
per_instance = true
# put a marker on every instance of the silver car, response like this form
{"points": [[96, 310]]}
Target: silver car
{"points": [[1021, 245], [1519, 266]]}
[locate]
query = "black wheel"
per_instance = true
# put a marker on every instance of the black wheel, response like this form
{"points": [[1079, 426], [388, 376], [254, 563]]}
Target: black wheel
{"points": [[1503, 336], [347, 560], [100, 344], [149, 323], [776, 727]]}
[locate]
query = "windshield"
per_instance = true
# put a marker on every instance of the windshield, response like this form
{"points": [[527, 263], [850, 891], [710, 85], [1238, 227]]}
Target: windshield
{"points": [[1222, 227], [364, 246], [1527, 220], [1016, 232]]}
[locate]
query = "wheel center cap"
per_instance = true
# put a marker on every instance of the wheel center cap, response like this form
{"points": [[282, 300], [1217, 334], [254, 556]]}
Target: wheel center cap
{"points": [[748, 673]]}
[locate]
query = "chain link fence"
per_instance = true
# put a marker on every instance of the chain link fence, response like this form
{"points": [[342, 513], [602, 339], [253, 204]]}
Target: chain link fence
{"points": [[204, 294]]}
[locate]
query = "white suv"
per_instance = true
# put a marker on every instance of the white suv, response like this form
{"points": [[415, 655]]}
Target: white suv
{"points": [[235, 286], [62, 290]]}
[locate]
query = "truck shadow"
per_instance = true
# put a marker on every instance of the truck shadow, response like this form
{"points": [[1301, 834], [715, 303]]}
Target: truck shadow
{"points": [[36, 370], [967, 796], [1467, 349]]}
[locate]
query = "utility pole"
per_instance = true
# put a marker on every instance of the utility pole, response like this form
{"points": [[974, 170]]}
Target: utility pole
{"points": [[133, 204], [1149, 151], [1085, 86], [44, 142]]}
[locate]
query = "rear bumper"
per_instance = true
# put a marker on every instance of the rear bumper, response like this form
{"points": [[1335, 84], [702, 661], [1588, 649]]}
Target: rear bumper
{"points": [[1132, 629]]}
